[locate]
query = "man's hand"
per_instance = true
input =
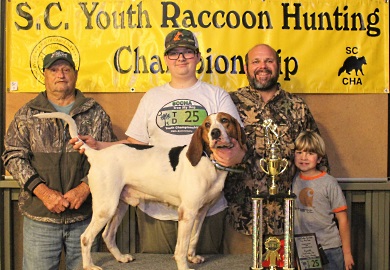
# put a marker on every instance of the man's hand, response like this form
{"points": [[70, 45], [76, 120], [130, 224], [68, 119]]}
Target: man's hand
{"points": [[87, 139], [77, 196], [52, 199], [229, 156]]}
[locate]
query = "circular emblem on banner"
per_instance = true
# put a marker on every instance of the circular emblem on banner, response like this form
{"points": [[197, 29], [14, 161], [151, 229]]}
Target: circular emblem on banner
{"points": [[49, 45]]}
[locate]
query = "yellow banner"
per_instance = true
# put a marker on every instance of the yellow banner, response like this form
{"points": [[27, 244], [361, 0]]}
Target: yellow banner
{"points": [[325, 46]]}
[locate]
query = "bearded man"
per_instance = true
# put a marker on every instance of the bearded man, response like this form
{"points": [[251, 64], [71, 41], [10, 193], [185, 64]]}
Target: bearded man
{"points": [[257, 103]]}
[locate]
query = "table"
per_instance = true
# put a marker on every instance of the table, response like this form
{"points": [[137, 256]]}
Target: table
{"points": [[166, 262]]}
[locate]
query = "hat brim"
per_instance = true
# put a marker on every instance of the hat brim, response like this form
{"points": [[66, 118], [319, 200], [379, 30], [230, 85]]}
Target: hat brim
{"points": [[192, 47], [50, 63]]}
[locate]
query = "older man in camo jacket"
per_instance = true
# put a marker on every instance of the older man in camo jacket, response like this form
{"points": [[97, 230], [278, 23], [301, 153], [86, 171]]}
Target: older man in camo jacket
{"points": [[55, 198]]}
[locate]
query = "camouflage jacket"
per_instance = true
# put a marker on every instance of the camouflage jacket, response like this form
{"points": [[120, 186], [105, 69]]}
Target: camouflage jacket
{"points": [[292, 116], [38, 150]]}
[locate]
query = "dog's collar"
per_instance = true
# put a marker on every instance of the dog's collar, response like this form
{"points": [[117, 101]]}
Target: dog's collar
{"points": [[228, 169], [223, 168]]}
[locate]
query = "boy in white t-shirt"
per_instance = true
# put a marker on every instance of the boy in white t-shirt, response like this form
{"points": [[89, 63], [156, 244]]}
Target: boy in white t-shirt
{"points": [[319, 201], [168, 115]]}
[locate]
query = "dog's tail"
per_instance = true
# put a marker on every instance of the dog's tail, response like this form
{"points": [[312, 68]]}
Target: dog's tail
{"points": [[67, 118]]}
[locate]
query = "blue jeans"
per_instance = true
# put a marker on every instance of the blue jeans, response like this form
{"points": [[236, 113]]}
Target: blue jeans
{"points": [[43, 243], [336, 259]]}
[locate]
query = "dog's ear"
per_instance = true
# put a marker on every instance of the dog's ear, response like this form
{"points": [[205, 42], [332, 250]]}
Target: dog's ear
{"points": [[195, 149], [241, 137]]}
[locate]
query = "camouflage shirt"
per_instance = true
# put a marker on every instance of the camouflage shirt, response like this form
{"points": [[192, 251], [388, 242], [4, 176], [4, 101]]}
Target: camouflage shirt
{"points": [[38, 150], [292, 116]]}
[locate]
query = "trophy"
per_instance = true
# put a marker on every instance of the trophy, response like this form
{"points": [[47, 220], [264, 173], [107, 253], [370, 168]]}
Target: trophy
{"points": [[273, 165]]}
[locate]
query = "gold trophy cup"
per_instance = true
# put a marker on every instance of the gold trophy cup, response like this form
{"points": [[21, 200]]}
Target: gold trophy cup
{"points": [[273, 165]]}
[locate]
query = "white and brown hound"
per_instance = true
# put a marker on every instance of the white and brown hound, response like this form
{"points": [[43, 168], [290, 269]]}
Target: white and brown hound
{"points": [[183, 176]]}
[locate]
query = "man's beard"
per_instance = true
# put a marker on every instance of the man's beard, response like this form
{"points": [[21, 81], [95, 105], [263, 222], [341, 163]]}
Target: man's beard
{"points": [[268, 85]]}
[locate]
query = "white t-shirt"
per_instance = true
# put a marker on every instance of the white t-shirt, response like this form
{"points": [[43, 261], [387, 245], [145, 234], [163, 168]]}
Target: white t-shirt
{"points": [[168, 116]]}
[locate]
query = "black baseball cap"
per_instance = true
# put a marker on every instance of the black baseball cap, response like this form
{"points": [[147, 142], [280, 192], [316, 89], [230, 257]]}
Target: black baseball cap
{"points": [[57, 55]]}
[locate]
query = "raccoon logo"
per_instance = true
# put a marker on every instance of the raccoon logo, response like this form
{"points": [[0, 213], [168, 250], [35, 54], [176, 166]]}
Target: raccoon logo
{"points": [[353, 63]]}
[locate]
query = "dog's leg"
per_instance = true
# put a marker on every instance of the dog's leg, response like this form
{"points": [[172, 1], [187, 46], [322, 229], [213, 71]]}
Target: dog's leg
{"points": [[86, 239], [103, 209], [191, 255], [109, 234], [186, 223]]}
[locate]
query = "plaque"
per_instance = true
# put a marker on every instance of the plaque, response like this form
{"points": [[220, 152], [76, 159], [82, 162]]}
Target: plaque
{"points": [[307, 252]]}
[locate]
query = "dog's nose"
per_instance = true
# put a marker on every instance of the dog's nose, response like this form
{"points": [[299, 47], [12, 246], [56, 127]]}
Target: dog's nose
{"points": [[215, 133]]}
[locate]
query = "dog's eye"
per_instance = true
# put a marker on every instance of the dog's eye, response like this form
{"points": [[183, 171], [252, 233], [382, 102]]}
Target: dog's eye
{"points": [[224, 120], [207, 124]]}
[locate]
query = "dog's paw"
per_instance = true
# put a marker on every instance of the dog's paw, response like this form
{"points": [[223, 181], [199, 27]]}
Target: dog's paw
{"points": [[125, 258], [195, 259]]}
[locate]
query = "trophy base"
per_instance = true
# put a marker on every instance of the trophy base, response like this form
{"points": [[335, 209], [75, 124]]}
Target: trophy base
{"points": [[271, 268], [272, 259]]}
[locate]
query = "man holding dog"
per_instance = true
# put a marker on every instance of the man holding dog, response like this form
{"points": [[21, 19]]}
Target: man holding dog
{"points": [[262, 99], [168, 115], [55, 198]]}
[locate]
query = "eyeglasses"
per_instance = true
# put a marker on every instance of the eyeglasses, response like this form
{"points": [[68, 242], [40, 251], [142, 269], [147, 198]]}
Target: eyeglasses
{"points": [[174, 55]]}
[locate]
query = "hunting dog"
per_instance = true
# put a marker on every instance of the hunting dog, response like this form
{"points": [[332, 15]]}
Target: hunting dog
{"points": [[183, 176]]}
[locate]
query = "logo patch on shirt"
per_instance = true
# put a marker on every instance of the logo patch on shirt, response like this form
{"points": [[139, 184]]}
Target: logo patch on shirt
{"points": [[306, 197], [181, 117]]}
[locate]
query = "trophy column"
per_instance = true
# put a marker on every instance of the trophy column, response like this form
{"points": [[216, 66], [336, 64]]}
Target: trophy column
{"points": [[289, 205], [257, 235], [273, 165]]}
